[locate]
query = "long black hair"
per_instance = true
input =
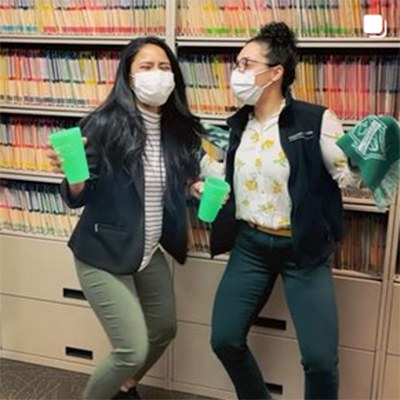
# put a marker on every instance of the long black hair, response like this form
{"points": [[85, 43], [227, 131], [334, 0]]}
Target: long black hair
{"points": [[117, 128], [280, 40]]}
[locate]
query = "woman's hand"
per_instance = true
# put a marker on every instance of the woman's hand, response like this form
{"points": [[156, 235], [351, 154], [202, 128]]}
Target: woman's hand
{"points": [[196, 189], [55, 161]]}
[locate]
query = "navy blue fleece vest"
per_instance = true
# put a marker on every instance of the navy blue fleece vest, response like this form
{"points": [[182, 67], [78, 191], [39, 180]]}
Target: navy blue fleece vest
{"points": [[316, 216]]}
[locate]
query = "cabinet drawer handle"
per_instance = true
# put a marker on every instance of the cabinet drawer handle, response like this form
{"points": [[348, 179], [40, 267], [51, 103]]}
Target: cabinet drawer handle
{"points": [[73, 294], [79, 353], [274, 388], [272, 323]]}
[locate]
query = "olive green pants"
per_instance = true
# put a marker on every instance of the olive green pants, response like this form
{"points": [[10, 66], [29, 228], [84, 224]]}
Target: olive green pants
{"points": [[137, 313]]}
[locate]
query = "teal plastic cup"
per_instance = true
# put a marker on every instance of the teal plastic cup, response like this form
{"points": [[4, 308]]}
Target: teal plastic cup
{"points": [[68, 143], [212, 199]]}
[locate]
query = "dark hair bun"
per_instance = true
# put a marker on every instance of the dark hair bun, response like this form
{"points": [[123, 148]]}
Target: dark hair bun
{"points": [[278, 34]]}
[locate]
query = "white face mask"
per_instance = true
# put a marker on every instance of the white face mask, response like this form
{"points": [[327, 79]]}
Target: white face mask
{"points": [[244, 86], [153, 87]]}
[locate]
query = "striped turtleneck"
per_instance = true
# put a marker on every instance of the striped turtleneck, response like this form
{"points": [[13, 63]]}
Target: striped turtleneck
{"points": [[154, 184]]}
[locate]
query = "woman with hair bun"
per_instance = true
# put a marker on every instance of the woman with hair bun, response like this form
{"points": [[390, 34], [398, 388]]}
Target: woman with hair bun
{"points": [[282, 218]]}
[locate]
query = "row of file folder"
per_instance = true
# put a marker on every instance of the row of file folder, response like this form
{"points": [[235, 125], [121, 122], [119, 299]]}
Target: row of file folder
{"points": [[35, 208], [353, 86], [24, 141], [308, 18], [221, 18], [363, 247], [362, 250], [82, 17], [57, 77]]}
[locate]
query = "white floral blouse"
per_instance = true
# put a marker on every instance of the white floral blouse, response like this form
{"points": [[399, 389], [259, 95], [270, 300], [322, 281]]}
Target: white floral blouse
{"points": [[262, 170]]}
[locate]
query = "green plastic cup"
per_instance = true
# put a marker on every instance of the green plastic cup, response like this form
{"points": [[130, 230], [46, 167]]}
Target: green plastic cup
{"points": [[215, 191], [68, 143]]}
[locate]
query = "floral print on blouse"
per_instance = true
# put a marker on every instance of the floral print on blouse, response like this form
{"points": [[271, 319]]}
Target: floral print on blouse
{"points": [[261, 170]]}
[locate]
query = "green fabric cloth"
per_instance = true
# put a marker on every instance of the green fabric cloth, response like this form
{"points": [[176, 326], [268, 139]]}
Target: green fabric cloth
{"points": [[373, 146], [217, 135]]}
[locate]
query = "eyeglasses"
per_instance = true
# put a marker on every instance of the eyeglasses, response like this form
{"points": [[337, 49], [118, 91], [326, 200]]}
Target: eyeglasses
{"points": [[245, 62]]}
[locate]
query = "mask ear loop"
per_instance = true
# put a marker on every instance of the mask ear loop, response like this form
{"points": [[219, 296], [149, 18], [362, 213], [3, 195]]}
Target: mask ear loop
{"points": [[268, 84]]}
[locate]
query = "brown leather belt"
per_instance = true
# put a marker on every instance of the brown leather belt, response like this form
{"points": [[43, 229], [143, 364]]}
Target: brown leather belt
{"points": [[277, 232]]}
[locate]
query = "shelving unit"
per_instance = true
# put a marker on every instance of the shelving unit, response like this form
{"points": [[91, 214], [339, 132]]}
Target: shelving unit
{"points": [[389, 367], [303, 43], [38, 285], [45, 111], [67, 39], [30, 176]]}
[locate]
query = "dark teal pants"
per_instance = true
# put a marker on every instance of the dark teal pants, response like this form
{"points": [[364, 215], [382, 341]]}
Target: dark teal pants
{"points": [[255, 262]]}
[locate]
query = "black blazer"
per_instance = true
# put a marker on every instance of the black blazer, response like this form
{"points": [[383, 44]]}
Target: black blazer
{"points": [[110, 232]]}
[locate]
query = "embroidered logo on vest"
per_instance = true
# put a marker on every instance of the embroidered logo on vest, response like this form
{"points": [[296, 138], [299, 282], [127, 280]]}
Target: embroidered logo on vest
{"points": [[301, 135]]}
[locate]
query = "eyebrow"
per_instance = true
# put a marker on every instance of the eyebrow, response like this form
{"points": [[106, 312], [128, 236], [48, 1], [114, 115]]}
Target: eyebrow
{"points": [[249, 58], [152, 62]]}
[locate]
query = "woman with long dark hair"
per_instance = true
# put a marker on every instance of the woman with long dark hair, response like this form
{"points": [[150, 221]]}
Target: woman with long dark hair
{"points": [[141, 145]]}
